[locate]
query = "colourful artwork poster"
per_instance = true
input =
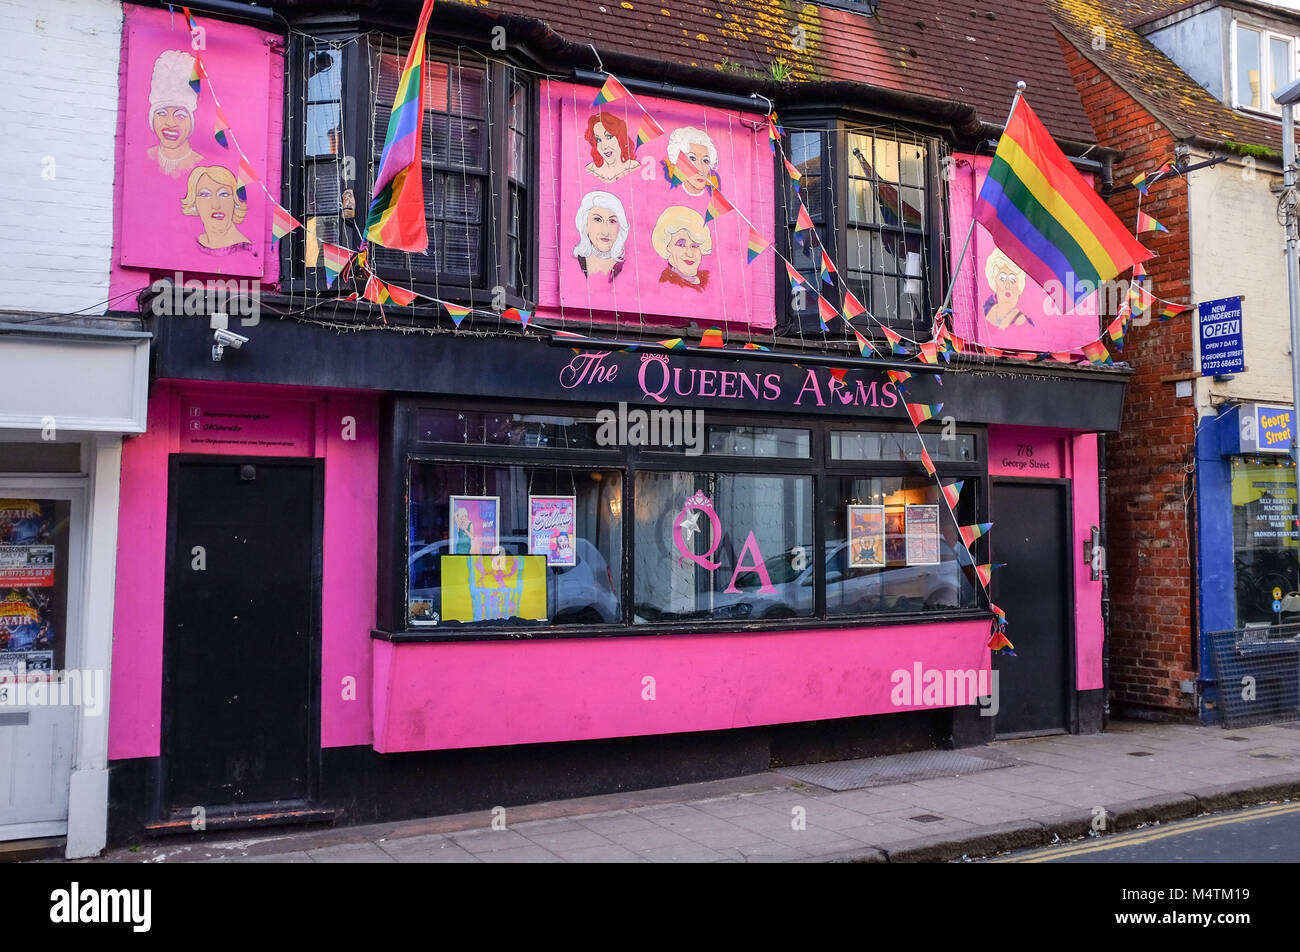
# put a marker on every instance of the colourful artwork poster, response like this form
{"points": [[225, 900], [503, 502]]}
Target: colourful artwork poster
{"points": [[895, 537], [191, 198], [922, 523], [866, 537], [996, 303], [643, 205], [494, 588], [27, 633], [475, 526], [26, 542], [553, 528]]}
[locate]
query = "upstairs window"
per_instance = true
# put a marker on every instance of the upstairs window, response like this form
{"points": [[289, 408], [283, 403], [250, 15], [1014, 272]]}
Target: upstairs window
{"points": [[1264, 62]]}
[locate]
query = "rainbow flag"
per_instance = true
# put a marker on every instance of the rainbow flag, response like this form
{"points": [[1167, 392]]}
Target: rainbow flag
{"points": [[970, 533], [1147, 223], [458, 314], [999, 641], [282, 223], [852, 306], [335, 258], [648, 131], [1139, 272], [1140, 183], [757, 245], [189, 18], [952, 493], [673, 343], [796, 279], [774, 132], [926, 461], [396, 217], [1116, 330], [898, 377], [985, 573], [1044, 216], [752, 346], [611, 91], [920, 412], [243, 177], [718, 206], [376, 291], [930, 352], [794, 173], [1097, 353], [197, 73], [895, 340], [222, 128], [827, 268], [864, 345], [711, 338], [1173, 310], [826, 311], [802, 223], [515, 314]]}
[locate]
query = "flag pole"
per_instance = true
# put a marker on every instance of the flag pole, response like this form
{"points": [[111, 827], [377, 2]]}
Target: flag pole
{"points": [[965, 245]]}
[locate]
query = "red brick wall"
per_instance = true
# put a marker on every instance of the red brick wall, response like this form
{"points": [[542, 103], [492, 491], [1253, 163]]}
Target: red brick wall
{"points": [[1148, 522]]}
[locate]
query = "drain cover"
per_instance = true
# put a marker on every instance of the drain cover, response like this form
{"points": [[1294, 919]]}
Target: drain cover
{"points": [[927, 818], [896, 768], [1140, 753]]}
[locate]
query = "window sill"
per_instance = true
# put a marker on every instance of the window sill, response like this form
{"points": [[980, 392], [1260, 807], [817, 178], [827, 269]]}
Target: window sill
{"points": [[700, 628]]}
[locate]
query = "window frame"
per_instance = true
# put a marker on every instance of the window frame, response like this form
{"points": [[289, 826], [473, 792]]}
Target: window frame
{"points": [[403, 450], [1266, 37], [834, 219], [357, 103]]}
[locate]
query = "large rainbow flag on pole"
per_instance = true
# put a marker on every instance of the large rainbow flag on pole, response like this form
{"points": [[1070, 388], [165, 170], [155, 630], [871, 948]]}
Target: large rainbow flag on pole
{"points": [[396, 218], [1046, 217]]}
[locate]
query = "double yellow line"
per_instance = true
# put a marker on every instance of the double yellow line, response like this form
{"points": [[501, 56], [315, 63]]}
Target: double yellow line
{"points": [[1138, 837]]}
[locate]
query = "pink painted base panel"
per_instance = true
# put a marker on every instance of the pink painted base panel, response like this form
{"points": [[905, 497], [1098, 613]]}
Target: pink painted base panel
{"points": [[435, 696]]}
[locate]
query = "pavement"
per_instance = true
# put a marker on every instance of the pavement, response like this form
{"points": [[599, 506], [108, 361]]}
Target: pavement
{"points": [[1028, 793]]}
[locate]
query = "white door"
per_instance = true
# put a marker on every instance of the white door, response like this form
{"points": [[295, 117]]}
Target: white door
{"points": [[41, 548]]}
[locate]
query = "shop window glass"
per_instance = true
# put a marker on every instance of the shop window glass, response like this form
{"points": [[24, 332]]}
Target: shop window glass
{"points": [[893, 547], [480, 428], [508, 545], [1264, 542], [757, 442], [885, 446], [723, 546]]}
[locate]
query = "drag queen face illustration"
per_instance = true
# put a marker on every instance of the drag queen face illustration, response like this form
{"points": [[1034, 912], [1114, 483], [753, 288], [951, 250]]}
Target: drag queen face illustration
{"points": [[171, 113], [612, 152], [699, 152], [682, 239], [1007, 282], [602, 233], [211, 196]]}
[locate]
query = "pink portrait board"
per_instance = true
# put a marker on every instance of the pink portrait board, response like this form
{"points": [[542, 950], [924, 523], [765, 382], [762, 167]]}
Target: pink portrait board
{"points": [[999, 317], [715, 283], [174, 216]]}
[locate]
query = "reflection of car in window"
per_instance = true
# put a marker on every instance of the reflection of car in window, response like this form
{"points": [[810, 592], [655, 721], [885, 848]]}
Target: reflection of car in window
{"points": [[892, 588], [581, 593]]}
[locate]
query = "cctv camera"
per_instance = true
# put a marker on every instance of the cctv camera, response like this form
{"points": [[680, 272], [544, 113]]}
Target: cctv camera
{"points": [[229, 338]]}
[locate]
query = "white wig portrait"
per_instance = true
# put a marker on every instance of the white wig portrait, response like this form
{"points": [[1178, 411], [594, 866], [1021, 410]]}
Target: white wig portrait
{"points": [[584, 248], [680, 140], [170, 83]]}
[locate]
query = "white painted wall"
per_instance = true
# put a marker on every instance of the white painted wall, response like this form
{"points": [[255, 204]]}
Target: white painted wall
{"points": [[1237, 247], [58, 70]]}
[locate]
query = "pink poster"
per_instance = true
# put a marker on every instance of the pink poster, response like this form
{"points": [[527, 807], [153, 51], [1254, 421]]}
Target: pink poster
{"points": [[994, 301], [195, 146], [635, 234]]}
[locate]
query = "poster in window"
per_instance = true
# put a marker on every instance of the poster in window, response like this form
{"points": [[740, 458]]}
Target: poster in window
{"points": [[866, 537], [553, 528], [922, 535], [895, 536], [475, 525], [26, 632], [494, 588], [26, 542]]}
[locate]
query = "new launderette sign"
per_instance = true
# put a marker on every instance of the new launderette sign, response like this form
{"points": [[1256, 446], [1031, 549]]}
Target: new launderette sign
{"points": [[1222, 350]]}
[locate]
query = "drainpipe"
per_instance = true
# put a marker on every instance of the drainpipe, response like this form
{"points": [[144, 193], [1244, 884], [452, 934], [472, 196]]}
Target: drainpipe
{"points": [[1105, 582]]}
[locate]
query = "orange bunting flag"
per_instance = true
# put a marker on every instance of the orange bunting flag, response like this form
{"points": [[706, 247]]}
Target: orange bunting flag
{"points": [[852, 306], [837, 372], [400, 296], [711, 338]]}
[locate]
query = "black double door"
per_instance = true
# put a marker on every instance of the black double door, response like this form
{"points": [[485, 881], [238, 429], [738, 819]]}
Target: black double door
{"points": [[241, 658], [1030, 532]]}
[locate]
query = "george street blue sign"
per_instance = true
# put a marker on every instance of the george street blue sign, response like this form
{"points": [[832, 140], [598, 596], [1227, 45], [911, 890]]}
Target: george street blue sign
{"points": [[1222, 350]]}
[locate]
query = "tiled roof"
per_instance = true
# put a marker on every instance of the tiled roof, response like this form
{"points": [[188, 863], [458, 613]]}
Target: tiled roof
{"points": [[1150, 77], [969, 52]]}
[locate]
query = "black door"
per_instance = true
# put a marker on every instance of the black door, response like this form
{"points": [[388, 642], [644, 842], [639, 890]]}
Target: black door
{"points": [[1030, 529], [241, 708]]}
